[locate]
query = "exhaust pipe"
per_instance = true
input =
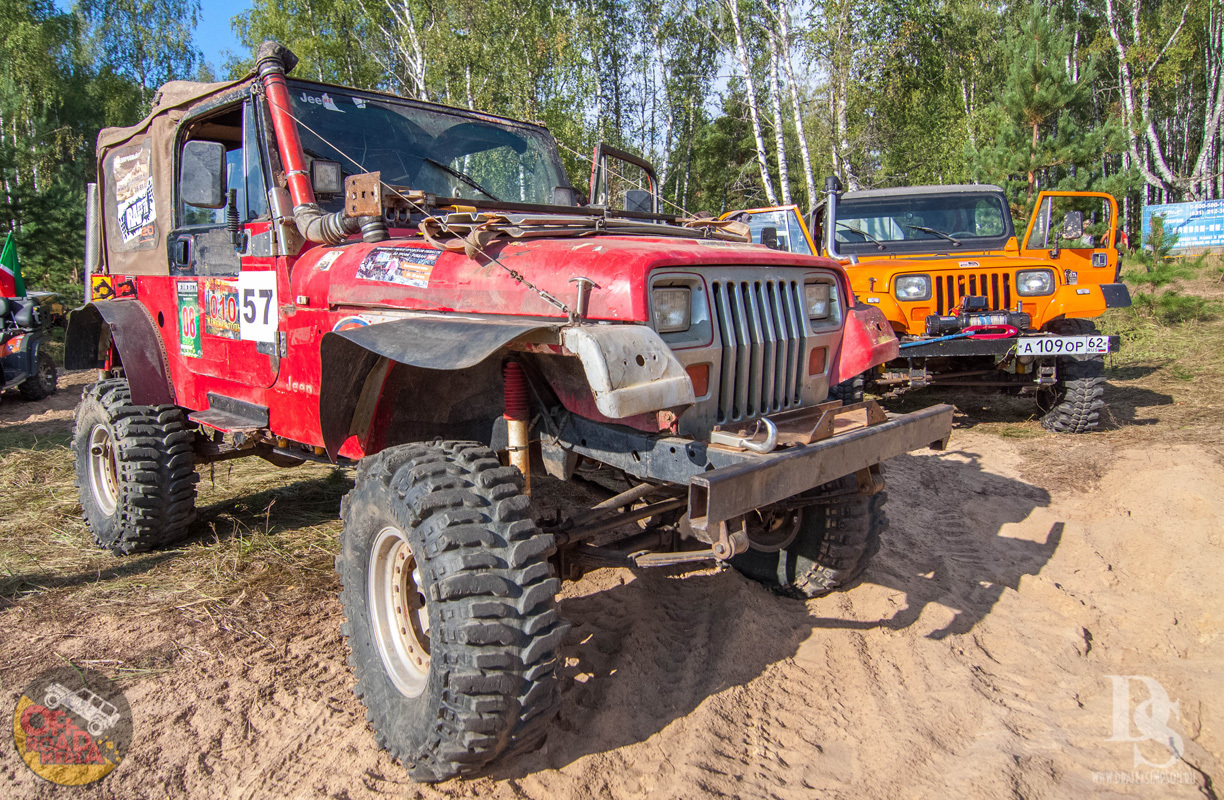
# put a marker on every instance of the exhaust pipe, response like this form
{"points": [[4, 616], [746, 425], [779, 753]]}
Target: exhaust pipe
{"points": [[273, 61], [833, 188], [93, 238]]}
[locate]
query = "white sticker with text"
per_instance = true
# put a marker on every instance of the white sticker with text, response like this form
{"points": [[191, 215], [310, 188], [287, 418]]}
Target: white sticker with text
{"points": [[257, 306]]}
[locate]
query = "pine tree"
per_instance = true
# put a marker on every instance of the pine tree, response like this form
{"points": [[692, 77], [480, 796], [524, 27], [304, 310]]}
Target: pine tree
{"points": [[1038, 133]]}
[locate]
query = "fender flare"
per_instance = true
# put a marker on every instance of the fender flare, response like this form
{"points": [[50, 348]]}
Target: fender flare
{"points": [[349, 357], [868, 340], [134, 335]]}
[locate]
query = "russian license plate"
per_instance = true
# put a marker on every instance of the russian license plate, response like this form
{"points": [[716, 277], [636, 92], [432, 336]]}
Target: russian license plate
{"points": [[1061, 345]]}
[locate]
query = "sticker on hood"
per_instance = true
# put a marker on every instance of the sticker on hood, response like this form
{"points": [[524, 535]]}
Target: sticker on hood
{"points": [[407, 266]]}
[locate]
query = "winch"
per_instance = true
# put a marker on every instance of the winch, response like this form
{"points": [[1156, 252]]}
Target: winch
{"points": [[975, 312]]}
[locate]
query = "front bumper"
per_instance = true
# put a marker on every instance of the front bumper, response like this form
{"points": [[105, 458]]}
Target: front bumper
{"points": [[725, 483], [953, 348]]}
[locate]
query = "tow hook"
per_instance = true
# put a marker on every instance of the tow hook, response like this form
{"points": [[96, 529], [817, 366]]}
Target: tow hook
{"points": [[718, 436]]}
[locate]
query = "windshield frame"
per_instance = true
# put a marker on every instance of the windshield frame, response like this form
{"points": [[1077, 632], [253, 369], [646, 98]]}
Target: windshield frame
{"points": [[934, 244], [550, 152]]}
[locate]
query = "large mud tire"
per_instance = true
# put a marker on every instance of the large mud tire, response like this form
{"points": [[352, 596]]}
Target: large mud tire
{"points": [[1076, 402], [463, 670], [44, 380], [848, 391], [135, 469], [839, 534]]}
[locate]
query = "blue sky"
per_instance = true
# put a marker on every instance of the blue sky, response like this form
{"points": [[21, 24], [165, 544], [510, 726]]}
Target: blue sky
{"points": [[213, 35]]}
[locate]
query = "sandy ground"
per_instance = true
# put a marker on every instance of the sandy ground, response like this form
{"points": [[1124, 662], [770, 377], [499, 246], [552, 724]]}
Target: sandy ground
{"points": [[973, 660]]}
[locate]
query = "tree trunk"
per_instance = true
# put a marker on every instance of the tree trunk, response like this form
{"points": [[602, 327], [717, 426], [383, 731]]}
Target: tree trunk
{"points": [[741, 55], [788, 66], [775, 97], [1137, 96]]}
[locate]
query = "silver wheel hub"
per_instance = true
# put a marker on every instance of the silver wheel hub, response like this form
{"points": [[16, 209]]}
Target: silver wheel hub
{"points": [[399, 613], [103, 470]]}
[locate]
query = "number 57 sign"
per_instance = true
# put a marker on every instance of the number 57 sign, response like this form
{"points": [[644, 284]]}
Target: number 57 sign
{"points": [[257, 306]]}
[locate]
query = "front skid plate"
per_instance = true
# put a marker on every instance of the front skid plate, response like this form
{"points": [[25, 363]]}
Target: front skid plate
{"points": [[725, 483]]}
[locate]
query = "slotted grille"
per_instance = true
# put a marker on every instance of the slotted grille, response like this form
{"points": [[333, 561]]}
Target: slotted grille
{"points": [[764, 339], [995, 286]]}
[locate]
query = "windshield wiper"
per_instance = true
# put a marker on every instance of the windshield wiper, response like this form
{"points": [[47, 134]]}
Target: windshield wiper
{"points": [[941, 234], [862, 233], [468, 179]]}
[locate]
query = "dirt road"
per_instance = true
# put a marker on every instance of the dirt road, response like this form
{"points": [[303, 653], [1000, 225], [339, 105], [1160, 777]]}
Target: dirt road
{"points": [[1021, 571]]}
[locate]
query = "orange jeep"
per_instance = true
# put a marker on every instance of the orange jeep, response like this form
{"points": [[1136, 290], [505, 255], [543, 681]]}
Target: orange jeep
{"points": [[971, 306]]}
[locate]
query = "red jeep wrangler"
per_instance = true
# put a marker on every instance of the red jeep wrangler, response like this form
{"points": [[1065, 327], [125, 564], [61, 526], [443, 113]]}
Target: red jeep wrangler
{"points": [[297, 271]]}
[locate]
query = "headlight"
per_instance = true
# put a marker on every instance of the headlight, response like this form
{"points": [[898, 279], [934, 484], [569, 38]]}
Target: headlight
{"points": [[912, 287], [1034, 282], [672, 309], [816, 300]]}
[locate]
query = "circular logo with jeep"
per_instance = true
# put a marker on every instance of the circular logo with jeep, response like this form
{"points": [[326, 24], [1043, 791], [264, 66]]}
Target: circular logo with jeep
{"points": [[72, 726]]}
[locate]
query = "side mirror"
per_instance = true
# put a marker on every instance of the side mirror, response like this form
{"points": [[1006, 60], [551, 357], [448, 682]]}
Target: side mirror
{"points": [[1073, 225], [769, 237], [564, 196], [601, 172], [202, 175], [638, 200]]}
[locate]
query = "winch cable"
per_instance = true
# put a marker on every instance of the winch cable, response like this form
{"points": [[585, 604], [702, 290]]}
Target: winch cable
{"points": [[514, 274], [961, 335], [977, 332], [679, 208]]}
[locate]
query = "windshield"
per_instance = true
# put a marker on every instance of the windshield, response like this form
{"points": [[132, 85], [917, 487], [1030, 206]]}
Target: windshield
{"points": [[448, 153], [922, 222], [778, 229]]}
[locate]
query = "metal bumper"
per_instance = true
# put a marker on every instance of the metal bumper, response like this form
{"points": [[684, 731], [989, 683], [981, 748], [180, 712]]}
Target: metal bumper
{"points": [[725, 483], [954, 348]]}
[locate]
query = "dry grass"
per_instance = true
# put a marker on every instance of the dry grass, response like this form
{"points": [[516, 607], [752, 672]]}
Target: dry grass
{"points": [[261, 531]]}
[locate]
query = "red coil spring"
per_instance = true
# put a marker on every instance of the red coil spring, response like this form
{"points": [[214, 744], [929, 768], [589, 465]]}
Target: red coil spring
{"points": [[517, 405]]}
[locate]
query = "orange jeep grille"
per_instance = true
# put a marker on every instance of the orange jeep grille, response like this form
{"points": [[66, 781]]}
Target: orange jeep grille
{"points": [[995, 286]]}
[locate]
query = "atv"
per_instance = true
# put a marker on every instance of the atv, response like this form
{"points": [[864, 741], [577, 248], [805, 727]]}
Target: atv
{"points": [[25, 360]]}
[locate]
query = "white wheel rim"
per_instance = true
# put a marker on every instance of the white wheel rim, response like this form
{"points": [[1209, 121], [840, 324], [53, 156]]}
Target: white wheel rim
{"points": [[103, 474], [399, 613]]}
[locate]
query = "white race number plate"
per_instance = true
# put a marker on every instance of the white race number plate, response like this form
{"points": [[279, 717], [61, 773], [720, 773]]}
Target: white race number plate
{"points": [[1061, 345]]}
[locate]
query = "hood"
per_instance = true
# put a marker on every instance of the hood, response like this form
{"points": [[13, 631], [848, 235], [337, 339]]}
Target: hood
{"points": [[410, 273], [961, 262]]}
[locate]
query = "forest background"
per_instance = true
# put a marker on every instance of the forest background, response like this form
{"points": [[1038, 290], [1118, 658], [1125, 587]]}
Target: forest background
{"points": [[738, 103]]}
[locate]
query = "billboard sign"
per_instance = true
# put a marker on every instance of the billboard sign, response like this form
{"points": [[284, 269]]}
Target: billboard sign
{"points": [[1199, 226]]}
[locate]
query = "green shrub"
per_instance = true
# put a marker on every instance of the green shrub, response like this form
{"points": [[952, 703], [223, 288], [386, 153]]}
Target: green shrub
{"points": [[1171, 307]]}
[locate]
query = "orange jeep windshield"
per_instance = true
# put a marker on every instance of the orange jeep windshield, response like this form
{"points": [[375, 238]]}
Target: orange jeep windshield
{"points": [[915, 223], [424, 147], [778, 229]]}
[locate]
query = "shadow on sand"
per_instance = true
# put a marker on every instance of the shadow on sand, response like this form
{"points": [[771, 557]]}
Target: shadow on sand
{"points": [[688, 637]]}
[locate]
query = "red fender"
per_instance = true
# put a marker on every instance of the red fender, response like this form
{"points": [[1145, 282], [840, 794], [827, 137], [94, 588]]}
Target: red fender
{"points": [[868, 341]]}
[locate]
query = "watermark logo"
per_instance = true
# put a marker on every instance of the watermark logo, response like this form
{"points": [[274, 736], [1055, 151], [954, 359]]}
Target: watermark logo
{"points": [[72, 726], [1149, 719]]}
